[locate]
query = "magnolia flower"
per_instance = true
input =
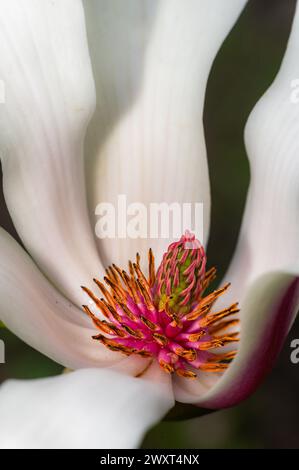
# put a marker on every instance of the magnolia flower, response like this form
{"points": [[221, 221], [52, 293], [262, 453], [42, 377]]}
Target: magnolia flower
{"points": [[123, 84]]}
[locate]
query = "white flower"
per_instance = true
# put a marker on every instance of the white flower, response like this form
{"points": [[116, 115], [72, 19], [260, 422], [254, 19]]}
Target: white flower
{"points": [[150, 61]]}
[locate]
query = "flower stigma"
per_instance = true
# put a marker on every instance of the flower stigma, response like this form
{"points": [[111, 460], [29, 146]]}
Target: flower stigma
{"points": [[166, 315]]}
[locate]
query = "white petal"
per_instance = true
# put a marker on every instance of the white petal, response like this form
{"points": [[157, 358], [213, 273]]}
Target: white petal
{"points": [[268, 244], [146, 139], [269, 309], [269, 238], [33, 309], [84, 409], [50, 95]]}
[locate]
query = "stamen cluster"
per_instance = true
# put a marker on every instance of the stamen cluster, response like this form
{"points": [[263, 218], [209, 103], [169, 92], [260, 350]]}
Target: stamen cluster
{"points": [[166, 315]]}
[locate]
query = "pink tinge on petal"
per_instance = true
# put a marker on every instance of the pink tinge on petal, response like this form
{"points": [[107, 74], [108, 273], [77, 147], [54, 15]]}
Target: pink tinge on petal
{"points": [[250, 371]]}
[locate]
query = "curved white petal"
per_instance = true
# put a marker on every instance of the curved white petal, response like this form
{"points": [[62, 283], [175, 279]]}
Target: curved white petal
{"points": [[49, 97], [269, 238], [151, 61], [269, 242], [269, 309], [34, 310], [89, 408]]}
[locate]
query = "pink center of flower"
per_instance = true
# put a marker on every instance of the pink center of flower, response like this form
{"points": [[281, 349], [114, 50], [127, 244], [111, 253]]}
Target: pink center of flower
{"points": [[166, 314]]}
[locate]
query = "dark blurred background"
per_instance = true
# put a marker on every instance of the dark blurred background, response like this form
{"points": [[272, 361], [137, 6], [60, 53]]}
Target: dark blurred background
{"points": [[244, 68]]}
